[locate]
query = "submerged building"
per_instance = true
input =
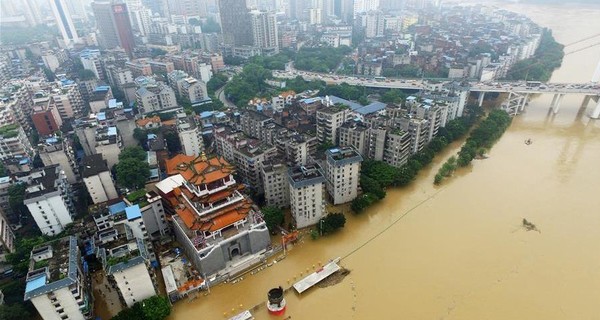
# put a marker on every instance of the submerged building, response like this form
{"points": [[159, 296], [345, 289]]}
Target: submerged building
{"points": [[219, 228]]}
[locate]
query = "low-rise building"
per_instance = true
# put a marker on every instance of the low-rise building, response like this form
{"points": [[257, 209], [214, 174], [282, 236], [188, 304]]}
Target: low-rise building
{"points": [[58, 150], [55, 283]]}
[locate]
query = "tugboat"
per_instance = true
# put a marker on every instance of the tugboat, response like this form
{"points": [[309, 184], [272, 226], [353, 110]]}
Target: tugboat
{"points": [[276, 304]]}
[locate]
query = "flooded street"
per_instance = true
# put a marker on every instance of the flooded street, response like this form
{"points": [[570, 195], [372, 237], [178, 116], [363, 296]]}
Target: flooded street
{"points": [[458, 251]]}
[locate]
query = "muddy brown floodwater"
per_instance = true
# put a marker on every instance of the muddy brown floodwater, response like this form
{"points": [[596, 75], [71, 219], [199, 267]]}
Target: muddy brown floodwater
{"points": [[459, 251]]}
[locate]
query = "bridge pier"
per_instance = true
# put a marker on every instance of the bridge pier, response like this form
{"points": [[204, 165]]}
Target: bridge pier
{"points": [[596, 77], [524, 102], [596, 112], [556, 104], [481, 97]]}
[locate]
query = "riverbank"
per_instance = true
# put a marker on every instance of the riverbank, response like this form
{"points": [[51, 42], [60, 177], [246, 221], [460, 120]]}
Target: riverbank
{"points": [[548, 57]]}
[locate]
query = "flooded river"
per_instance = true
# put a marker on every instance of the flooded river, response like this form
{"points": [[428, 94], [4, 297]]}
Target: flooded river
{"points": [[458, 251]]}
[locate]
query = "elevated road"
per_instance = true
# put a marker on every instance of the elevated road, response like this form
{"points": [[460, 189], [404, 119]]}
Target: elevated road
{"points": [[519, 91]]}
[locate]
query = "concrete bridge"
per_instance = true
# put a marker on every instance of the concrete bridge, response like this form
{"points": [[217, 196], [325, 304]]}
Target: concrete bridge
{"points": [[519, 92]]}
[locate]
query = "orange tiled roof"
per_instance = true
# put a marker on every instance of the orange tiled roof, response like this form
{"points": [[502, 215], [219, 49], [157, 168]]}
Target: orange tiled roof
{"points": [[171, 122], [199, 170], [145, 121], [216, 220]]}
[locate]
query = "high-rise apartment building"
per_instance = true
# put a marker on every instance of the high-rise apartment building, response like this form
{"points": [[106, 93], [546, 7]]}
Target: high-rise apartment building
{"points": [[264, 30], [112, 19], [235, 23], [342, 170], [55, 282], [64, 22], [306, 194]]}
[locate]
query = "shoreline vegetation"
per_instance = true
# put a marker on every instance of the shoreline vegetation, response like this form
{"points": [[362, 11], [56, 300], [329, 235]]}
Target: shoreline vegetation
{"points": [[547, 58], [376, 175], [480, 140]]}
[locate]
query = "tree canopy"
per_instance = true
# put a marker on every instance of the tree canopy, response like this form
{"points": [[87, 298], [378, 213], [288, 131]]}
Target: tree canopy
{"points": [[14, 311], [133, 152], [132, 173], [320, 59], [332, 222], [273, 217], [216, 81], [248, 84], [153, 308]]}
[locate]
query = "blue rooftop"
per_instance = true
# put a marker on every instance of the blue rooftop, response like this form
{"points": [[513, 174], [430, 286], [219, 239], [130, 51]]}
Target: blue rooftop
{"points": [[51, 140], [310, 100], [133, 212], [112, 131], [117, 207], [153, 173], [151, 136], [352, 105], [4, 179], [112, 103], [102, 88], [24, 161], [101, 116], [371, 108], [206, 114], [35, 283]]}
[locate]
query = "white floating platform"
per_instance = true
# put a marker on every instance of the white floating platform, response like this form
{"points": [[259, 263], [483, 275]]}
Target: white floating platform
{"points": [[246, 315], [317, 276]]}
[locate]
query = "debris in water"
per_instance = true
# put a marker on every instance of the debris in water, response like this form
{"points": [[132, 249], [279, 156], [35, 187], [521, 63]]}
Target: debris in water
{"points": [[530, 226], [334, 278]]}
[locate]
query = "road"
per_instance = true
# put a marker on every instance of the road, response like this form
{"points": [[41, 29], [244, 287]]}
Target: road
{"points": [[421, 84], [220, 93]]}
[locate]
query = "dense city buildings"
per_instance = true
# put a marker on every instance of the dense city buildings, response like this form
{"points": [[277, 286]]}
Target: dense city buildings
{"points": [[98, 179], [114, 25]]}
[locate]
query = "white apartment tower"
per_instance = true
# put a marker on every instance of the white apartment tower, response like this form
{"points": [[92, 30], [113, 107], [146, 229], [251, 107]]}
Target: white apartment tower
{"points": [[48, 198], [342, 170], [64, 22], [97, 179], [264, 30], [190, 135], [306, 194]]}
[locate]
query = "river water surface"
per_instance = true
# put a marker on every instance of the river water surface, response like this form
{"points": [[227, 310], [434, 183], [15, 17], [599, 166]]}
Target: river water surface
{"points": [[458, 251]]}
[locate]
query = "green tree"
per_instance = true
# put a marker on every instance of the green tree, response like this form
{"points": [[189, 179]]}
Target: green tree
{"points": [[216, 81], [133, 152], [85, 74], [211, 26], [16, 195], [360, 203], [333, 222], [132, 173], [156, 308], [140, 135], [173, 142], [3, 172], [14, 311], [19, 259], [153, 308], [273, 217]]}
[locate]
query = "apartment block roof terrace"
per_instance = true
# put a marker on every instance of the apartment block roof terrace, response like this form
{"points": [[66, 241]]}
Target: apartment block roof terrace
{"points": [[302, 176], [343, 156], [53, 266]]}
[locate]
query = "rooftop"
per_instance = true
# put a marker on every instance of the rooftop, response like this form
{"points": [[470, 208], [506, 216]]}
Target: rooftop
{"points": [[342, 156], [301, 176], [52, 266], [198, 169], [93, 165]]}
